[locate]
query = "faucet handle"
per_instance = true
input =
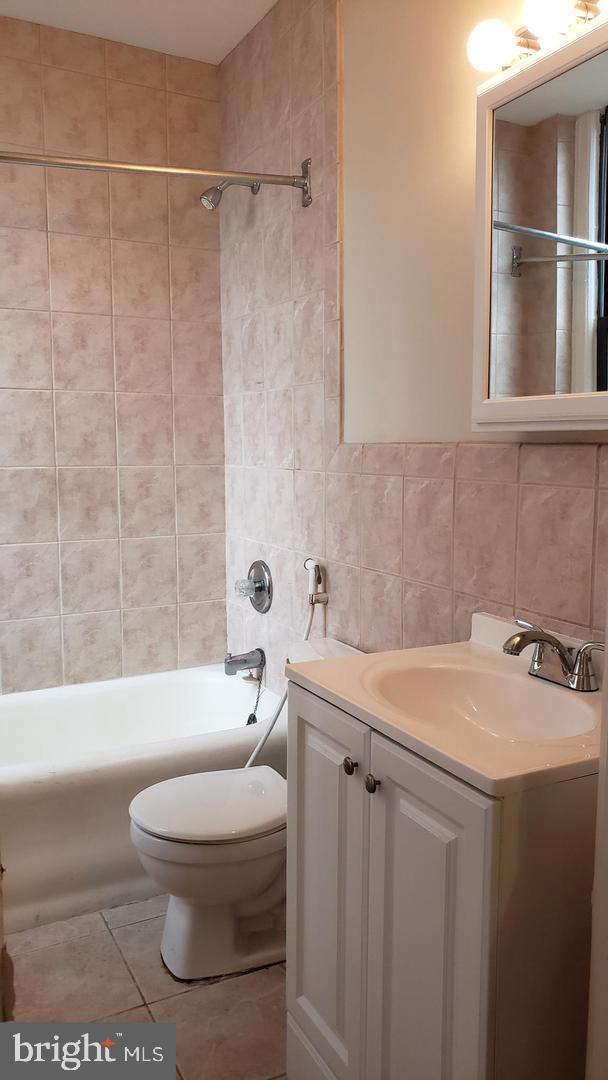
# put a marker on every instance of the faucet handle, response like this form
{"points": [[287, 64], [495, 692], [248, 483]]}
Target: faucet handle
{"points": [[583, 674]]}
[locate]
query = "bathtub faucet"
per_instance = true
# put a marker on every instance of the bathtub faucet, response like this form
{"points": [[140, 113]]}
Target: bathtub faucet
{"points": [[248, 661]]}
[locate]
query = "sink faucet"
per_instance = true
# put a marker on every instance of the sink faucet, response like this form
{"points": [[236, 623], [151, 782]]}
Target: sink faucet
{"points": [[248, 661], [552, 660]]}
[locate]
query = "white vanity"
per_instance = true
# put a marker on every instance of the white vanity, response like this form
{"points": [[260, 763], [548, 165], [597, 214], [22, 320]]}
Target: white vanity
{"points": [[440, 861]]}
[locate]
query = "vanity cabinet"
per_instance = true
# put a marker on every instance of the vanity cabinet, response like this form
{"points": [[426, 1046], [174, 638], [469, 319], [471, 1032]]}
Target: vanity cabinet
{"points": [[415, 949]]}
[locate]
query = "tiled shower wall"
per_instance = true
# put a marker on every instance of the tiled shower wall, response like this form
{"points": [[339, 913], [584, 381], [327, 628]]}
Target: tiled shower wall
{"points": [[414, 538], [111, 419]]}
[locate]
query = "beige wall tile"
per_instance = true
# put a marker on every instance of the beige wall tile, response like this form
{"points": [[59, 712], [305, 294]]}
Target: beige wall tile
{"points": [[308, 344], [382, 458], [189, 224], [30, 654], [197, 358], [19, 39], [342, 518], [309, 511], [202, 633], [202, 568], [466, 606], [24, 275], [149, 640], [557, 522], [149, 572], [558, 464], [277, 259], [74, 113], [88, 504], [427, 615], [140, 279], [427, 530], [131, 64], [200, 499], [80, 274], [90, 576], [91, 647], [280, 507], [343, 614], [199, 435], [82, 352], [278, 352], [193, 77], [233, 429], [380, 612], [22, 197], [381, 522], [430, 459], [147, 501], [25, 350], [29, 581], [194, 284], [600, 583], [145, 429], [29, 505], [142, 350], [78, 202], [77, 52], [137, 127], [253, 433], [139, 207], [26, 428], [487, 461], [307, 56], [85, 428], [484, 539], [309, 417], [194, 132], [307, 249], [20, 103]]}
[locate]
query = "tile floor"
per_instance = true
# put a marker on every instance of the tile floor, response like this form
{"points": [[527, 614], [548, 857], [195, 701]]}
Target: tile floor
{"points": [[107, 966]]}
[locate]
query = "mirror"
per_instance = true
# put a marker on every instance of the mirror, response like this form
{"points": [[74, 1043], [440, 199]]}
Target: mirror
{"points": [[549, 237]]}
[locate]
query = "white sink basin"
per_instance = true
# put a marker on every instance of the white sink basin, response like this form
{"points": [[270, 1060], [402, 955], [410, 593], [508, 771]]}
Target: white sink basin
{"points": [[508, 705], [468, 708]]}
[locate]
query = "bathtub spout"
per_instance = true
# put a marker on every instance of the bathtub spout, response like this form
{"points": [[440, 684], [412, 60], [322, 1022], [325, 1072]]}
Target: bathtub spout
{"points": [[250, 661]]}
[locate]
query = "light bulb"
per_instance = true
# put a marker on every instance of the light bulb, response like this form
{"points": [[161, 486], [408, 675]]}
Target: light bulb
{"points": [[547, 19], [490, 46]]}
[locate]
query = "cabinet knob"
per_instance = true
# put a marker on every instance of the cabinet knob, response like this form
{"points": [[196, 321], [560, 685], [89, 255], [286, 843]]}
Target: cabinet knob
{"points": [[349, 766], [371, 784]]}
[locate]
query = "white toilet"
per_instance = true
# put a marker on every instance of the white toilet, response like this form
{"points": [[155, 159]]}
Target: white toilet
{"points": [[216, 843]]}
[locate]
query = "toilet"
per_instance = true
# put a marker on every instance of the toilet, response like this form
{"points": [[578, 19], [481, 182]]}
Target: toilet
{"points": [[216, 842]]}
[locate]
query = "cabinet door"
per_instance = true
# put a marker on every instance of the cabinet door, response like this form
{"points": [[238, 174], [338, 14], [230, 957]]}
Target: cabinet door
{"points": [[326, 871], [430, 921]]}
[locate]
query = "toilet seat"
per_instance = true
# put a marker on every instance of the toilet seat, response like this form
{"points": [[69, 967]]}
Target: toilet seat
{"points": [[230, 807]]}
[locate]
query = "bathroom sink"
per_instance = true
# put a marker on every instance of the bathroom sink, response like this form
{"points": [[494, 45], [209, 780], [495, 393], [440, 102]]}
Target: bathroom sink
{"points": [[508, 705]]}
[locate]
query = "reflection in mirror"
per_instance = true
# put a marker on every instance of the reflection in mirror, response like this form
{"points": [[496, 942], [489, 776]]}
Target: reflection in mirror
{"points": [[549, 324]]}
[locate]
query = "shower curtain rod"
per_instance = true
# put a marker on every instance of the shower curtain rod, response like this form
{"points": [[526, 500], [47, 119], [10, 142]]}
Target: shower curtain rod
{"points": [[246, 179]]}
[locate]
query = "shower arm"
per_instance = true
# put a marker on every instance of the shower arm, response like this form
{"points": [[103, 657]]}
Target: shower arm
{"points": [[221, 178]]}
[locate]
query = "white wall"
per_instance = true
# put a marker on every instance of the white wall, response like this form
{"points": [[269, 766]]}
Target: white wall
{"points": [[409, 171]]}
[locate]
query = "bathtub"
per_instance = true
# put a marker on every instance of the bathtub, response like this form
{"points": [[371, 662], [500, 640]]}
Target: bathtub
{"points": [[73, 757]]}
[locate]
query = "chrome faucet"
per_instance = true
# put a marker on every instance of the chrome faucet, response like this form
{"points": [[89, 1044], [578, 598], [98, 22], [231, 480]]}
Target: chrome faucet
{"points": [[552, 660], [248, 661]]}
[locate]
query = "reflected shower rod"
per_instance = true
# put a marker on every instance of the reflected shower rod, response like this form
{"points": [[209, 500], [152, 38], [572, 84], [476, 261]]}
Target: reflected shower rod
{"points": [[223, 177], [596, 252]]}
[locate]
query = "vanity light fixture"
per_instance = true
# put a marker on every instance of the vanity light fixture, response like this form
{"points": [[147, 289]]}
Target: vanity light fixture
{"points": [[492, 46]]}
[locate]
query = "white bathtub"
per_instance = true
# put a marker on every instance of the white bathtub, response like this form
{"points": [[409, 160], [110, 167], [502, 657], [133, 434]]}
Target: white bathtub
{"points": [[71, 760]]}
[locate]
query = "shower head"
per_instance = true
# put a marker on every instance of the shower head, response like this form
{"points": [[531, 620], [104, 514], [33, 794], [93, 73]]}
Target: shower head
{"points": [[212, 197]]}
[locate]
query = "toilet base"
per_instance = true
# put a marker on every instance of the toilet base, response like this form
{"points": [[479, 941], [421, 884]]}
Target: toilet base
{"points": [[201, 941]]}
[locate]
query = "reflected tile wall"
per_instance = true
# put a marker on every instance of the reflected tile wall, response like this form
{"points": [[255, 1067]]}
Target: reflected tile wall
{"points": [[414, 537], [111, 488]]}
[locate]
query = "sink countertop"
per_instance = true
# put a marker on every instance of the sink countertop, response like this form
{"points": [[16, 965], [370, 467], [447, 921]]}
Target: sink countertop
{"points": [[496, 757]]}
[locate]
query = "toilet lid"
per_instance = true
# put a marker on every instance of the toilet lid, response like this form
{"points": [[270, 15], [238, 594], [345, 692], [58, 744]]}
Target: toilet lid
{"points": [[214, 807]]}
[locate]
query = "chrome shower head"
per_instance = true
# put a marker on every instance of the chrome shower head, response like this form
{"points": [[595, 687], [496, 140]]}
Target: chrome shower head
{"points": [[212, 197]]}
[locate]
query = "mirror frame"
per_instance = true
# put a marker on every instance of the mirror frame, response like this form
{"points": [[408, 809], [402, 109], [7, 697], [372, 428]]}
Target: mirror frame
{"points": [[565, 412]]}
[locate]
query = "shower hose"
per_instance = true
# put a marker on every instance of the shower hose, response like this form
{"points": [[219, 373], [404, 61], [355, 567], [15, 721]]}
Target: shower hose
{"points": [[261, 744]]}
